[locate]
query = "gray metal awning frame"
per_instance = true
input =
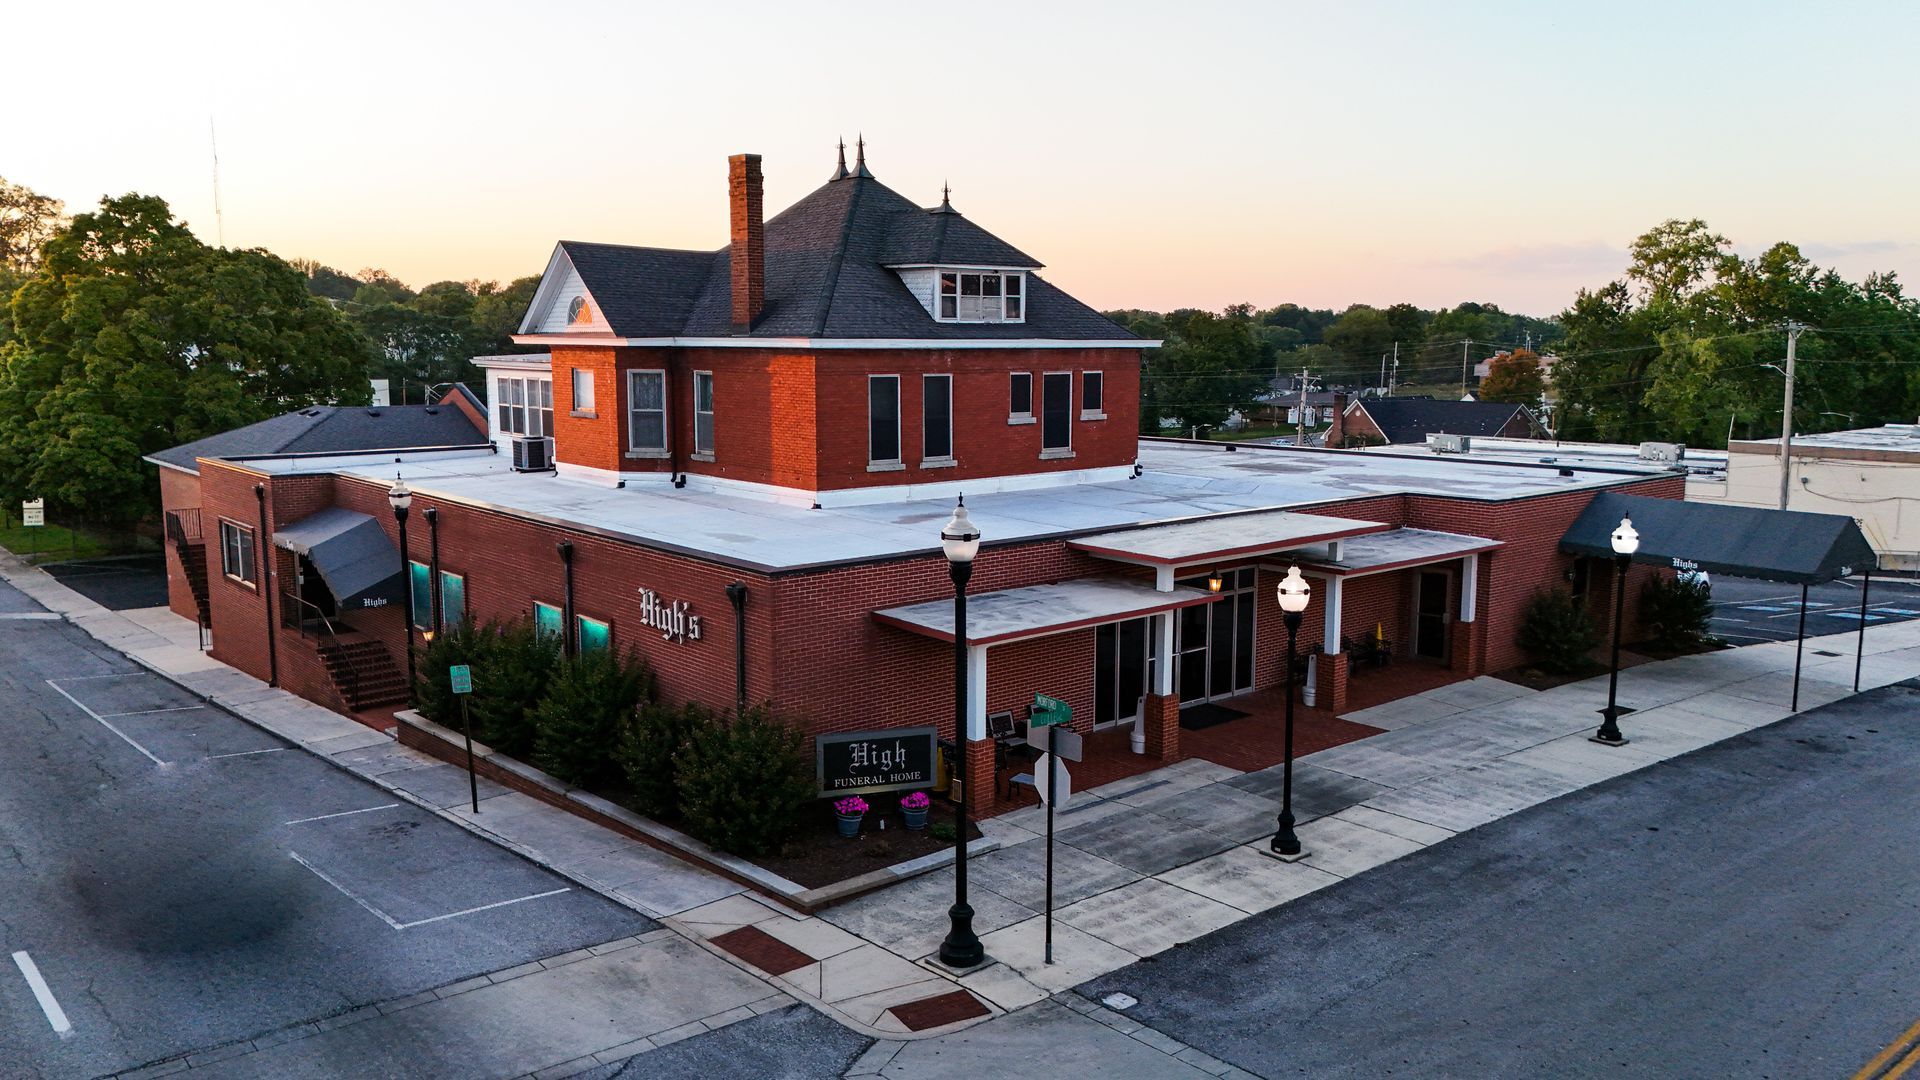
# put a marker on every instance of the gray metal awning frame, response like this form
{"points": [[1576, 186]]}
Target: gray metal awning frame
{"points": [[1421, 547], [1222, 538], [353, 555]]}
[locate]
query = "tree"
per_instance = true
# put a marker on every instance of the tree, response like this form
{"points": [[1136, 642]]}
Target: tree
{"points": [[1210, 366], [1514, 377], [325, 281], [1360, 336], [27, 221], [132, 336]]}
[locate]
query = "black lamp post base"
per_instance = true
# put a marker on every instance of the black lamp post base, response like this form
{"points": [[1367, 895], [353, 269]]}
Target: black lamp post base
{"points": [[1608, 740], [962, 949], [1285, 846], [1296, 855], [1609, 733]]}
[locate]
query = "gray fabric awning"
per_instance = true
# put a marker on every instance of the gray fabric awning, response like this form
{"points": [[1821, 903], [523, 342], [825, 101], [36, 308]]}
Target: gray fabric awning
{"points": [[353, 555], [1742, 541]]}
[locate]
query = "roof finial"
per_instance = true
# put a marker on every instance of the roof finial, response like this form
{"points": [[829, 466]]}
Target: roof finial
{"points": [[840, 172], [860, 157], [946, 199]]}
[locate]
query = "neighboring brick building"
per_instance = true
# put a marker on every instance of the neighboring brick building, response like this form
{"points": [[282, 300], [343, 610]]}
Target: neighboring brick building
{"points": [[787, 422]]}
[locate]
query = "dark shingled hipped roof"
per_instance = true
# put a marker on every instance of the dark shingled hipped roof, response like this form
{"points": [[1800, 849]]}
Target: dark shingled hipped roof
{"points": [[1411, 420], [333, 429], [827, 276]]}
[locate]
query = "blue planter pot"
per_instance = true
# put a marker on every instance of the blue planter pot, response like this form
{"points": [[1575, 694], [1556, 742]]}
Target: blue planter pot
{"points": [[916, 819], [850, 825]]}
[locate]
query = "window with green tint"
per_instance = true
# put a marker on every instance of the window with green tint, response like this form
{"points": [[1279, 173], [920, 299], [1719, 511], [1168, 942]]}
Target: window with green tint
{"points": [[595, 635], [453, 600], [546, 620], [421, 582]]}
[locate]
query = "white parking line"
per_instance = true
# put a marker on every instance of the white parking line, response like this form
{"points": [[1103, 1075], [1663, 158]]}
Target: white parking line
{"points": [[343, 813], [150, 712], [41, 993], [128, 739], [114, 675], [397, 924], [248, 753]]}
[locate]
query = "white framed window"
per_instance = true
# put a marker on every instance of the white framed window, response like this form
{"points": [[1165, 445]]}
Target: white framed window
{"points": [[936, 418], [981, 296], [582, 390], [1020, 398], [703, 412], [236, 553], [524, 406], [883, 421], [1093, 395], [647, 410], [1056, 414]]}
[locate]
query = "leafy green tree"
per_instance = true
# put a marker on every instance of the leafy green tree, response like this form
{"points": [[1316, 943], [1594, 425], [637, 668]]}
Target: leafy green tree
{"points": [[1360, 337], [132, 336], [1210, 366], [417, 350], [325, 281], [27, 221], [743, 783], [1514, 377]]}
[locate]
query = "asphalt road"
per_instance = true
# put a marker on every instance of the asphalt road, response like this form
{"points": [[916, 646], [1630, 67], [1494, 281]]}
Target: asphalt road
{"points": [[1745, 910], [173, 879], [117, 583], [1746, 611]]}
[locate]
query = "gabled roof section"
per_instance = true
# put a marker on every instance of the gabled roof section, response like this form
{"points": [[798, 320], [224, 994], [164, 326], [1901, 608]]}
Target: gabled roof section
{"points": [[330, 429], [1411, 420], [827, 276]]}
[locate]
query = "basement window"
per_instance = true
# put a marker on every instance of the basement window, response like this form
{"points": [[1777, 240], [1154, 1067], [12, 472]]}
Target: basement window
{"points": [[988, 296]]}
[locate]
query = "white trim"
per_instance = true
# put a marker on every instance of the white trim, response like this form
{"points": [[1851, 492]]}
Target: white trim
{"points": [[976, 692], [1331, 590], [713, 414], [834, 343], [666, 415], [1470, 587], [961, 266], [530, 362], [899, 458], [1048, 453]]}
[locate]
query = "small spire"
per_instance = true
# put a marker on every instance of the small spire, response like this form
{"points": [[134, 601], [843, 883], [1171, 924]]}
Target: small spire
{"points": [[946, 200], [860, 157], [840, 173]]}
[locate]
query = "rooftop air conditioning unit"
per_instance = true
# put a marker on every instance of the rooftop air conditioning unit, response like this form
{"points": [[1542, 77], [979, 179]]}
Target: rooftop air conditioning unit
{"points": [[532, 453], [1442, 443], [1664, 452]]}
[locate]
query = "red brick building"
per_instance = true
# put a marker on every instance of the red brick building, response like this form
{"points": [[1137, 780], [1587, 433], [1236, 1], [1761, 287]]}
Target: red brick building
{"points": [[786, 423]]}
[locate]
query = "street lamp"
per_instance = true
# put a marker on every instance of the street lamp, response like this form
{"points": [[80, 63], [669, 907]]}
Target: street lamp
{"points": [[1626, 541], [960, 539], [400, 498], [1293, 592]]}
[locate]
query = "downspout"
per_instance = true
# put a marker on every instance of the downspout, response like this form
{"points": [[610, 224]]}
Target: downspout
{"points": [[266, 585], [737, 593], [673, 417], [567, 644]]}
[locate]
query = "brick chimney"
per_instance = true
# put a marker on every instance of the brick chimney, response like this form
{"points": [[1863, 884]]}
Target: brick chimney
{"points": [[1337, 429], [749, 255]]}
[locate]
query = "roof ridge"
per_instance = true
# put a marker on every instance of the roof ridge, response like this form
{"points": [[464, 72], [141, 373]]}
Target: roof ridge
{"points": [[831, 282]]}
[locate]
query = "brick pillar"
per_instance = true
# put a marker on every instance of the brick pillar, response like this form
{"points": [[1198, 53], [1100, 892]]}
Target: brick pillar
{"points": [[1331, 692], [1162, 726], [1464, 648], [980, 778]]}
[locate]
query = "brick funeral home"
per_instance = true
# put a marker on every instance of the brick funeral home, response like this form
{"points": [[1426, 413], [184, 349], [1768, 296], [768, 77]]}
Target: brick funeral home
{"points": [[736, 465]]}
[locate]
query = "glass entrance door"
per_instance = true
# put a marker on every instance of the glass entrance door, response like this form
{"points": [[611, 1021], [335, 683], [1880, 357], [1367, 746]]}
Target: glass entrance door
{"points": [[1123, 654], [1430, 618], [1215, 642]]}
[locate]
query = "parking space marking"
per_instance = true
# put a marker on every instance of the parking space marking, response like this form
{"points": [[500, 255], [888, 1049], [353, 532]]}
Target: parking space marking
{"points": [[115, 675], [343, 813], [248, 753], [150, 712], [128, 739], [397, 924], [43, 994]]}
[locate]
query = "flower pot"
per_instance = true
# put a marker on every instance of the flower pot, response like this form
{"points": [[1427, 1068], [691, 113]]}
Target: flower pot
{"points": [[916, 819], [850, 824]]}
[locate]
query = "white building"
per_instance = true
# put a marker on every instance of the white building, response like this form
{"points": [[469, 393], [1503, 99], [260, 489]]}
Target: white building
{"points": [[1870, 474]]}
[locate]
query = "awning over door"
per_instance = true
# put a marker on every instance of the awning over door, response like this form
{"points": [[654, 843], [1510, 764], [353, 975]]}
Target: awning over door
{"points": [[1400, 549], [1222, 537], [353, 555], [1743, 541], [1038, 610]]}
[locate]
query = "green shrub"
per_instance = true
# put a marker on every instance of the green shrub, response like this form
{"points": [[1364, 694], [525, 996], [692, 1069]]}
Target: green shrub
{"points": [[1676, 615], [578, 724], [744, 783], [651, 749], [461, 645], [510, 677], [1556, 632]]}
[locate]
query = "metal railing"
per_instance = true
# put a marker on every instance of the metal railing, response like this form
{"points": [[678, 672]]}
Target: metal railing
{"points": [[183, 526], [317, 626]]}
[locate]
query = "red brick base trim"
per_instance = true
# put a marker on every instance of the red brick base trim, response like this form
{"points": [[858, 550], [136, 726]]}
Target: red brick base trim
{"points": [[980, 778], [1464, 648], [1330, 689], [1162, 727]]}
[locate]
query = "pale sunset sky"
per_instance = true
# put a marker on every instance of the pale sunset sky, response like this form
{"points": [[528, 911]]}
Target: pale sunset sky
{"points": [[1152, 155]]}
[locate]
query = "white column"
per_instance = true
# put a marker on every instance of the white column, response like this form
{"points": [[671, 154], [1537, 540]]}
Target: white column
{"points": [[1331, 589], [1333, 551], [1163, 578], [1469, 587], [1161, 681], [976, 692]]}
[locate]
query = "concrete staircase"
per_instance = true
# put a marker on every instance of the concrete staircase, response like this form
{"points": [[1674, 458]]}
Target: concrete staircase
{"points": [[363, 673]]}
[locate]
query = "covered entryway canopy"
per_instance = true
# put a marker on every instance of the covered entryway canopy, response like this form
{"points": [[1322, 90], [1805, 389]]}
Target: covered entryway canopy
{"points": [[1742, 541], [352, 554], [1037, 610], [1222, 537]]}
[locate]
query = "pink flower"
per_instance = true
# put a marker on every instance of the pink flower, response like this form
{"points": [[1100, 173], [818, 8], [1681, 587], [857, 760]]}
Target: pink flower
{"points": [[850, 806], [916, 801]]}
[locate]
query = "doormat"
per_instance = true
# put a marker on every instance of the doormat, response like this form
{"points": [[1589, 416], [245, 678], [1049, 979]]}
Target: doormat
{"points": [[1206, 715], [933, 1012]]}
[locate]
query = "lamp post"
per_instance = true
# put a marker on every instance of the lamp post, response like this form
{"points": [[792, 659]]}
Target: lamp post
{"points": [[1626, 541], [1293, 592], [961, 542], [401, 499]]}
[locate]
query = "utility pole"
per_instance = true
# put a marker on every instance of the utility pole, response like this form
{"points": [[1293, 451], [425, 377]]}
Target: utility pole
{"points": [[1794, 330], [1464, 364], [1394, 378], [1300, 415]]}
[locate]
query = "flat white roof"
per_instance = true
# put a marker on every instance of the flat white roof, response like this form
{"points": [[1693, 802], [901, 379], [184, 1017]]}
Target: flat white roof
{"points": [[1903, 437], [1011, 614], [1181, 482], [1392, 551]]}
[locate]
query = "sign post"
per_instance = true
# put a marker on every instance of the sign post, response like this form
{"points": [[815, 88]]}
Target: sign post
{"points": [[461, 676], [1044, 725], [33, 514]]}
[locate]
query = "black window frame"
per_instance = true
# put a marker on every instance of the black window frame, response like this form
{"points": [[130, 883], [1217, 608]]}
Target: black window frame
{"points": [[873, 418], [1017, 392], [1093, 395], [928, 419], [242, 550], [1056, 420]]}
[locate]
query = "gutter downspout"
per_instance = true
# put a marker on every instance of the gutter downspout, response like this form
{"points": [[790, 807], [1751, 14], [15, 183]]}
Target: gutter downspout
{"points": [[737, 593], [266, 586], [567, 644], [673, 427]]}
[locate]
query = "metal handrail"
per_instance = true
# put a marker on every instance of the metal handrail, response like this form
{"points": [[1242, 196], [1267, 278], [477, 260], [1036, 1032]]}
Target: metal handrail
{"points": [[294, 613], [183, 526]]}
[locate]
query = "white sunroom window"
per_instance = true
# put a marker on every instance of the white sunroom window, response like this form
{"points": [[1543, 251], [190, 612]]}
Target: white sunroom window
{"points": [[982, 296]]}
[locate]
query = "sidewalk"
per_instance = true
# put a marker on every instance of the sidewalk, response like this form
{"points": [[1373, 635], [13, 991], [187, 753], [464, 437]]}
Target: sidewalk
{"points": [[1142, 864]]}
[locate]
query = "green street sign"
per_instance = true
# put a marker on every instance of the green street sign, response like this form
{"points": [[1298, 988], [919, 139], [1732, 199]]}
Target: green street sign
{"points": [[1048, 711], [462, 677]]}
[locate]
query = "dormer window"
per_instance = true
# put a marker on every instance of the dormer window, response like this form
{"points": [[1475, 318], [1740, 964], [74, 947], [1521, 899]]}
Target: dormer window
{"points": [[982, 296]]}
